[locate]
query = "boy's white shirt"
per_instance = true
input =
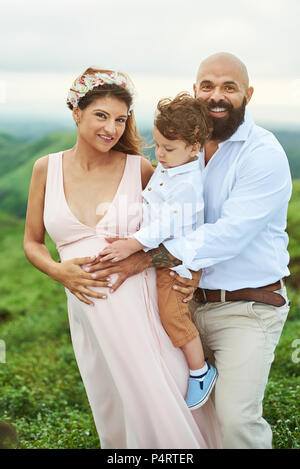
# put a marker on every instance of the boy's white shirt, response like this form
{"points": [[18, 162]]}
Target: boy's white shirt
{"points": [[173, 207]]}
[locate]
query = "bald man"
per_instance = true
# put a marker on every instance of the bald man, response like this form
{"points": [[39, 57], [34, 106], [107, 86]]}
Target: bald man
{"points": [[241, 304]]}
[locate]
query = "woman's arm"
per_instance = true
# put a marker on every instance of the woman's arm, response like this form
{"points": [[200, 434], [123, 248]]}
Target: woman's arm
{"points": [[69, 272]]}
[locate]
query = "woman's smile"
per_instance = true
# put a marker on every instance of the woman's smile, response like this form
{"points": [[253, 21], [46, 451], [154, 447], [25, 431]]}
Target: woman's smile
{"points": [[105, 138]]}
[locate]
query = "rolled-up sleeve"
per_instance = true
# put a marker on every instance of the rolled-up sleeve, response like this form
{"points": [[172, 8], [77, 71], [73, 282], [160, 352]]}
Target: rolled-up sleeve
{"points": [[262, 186]]}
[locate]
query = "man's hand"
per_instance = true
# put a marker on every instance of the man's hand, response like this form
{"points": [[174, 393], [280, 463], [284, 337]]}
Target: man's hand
{"points": [[136, 264], [133, 265], [186, 286]]}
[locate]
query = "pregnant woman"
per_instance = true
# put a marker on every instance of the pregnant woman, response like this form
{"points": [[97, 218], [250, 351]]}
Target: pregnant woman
{"points": [[134, 377]]}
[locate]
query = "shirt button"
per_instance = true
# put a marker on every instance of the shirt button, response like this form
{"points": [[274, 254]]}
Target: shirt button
{"points": [[149, 188], [175, 211], [162, 171], [161, 184]]}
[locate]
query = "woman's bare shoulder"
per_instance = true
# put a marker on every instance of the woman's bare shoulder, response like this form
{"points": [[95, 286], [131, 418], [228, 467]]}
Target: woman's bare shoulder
{"points": [[146, 171], [41, 164], [146, 166], [40, 168]]}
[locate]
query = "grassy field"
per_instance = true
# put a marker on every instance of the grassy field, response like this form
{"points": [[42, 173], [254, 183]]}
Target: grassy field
{"points": [[41, 391]]}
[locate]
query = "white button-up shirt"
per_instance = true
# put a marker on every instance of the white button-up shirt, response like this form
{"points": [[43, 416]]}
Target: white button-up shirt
{"points": [[247, 187], [172, 207]]}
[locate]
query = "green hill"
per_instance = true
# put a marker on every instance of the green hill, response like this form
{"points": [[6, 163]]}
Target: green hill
{"points": [[10, 156], [42, 394], [14, 183], [18, 156], [41, 390], [291, 144], [293, 229]]}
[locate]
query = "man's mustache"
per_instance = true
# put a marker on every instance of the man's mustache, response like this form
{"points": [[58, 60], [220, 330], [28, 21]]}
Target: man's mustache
{"points": [[212, 104]]}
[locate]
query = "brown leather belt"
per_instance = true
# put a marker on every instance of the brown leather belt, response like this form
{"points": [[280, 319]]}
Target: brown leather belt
{"points": [[259, 295]]}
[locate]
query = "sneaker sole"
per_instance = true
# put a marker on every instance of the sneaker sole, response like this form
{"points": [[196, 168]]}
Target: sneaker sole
{"points": [[201, 403]]}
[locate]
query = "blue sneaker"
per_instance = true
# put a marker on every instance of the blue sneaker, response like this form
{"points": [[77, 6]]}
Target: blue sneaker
{"points": [[198, 391]]}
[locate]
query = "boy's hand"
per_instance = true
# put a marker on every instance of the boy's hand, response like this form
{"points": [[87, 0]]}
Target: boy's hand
{"points": [[118, 250], [115, 252]]}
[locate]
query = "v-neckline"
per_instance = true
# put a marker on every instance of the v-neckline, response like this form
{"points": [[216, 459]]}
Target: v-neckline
{"points": [[111, 203]]}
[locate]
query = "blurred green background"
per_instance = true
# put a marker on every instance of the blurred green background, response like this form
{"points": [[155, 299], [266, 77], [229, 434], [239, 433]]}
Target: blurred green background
{"points": [[41, 390]]}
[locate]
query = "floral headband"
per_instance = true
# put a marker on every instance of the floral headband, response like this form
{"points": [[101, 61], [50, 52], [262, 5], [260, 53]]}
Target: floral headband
{"points": [[86, 83]]}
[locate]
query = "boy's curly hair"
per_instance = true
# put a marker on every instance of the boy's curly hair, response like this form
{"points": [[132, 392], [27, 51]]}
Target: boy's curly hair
{"points": [[183, 118]]}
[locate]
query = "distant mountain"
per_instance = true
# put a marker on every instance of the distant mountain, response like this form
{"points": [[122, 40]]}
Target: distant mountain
{"points": [[10, 157], [291, 144], [33, 127], [17, 156]]}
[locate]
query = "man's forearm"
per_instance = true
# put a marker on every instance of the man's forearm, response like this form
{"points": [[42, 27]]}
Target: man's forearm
{"points": [[161, 257]]}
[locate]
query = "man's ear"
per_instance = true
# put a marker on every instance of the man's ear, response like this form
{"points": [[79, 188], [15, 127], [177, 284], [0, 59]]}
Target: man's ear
{"points": [[195, 89], [249, 94]]}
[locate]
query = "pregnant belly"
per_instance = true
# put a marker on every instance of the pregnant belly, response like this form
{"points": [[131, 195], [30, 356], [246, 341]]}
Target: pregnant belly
{"points": [[92, 246], [83, 248]]}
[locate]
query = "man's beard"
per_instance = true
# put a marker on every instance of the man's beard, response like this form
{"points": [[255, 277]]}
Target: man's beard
{"points": [[224, 127]]}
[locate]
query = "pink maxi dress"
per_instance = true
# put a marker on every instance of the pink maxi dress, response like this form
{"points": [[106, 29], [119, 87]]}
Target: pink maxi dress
{"points": [[134, 378]]}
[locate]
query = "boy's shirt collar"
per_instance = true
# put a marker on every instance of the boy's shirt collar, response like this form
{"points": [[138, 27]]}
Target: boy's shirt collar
{"points": [[184, 168]]}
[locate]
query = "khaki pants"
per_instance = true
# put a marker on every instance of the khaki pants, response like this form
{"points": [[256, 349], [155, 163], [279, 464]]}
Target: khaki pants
{"points": [[240, 337], [175, 315]]}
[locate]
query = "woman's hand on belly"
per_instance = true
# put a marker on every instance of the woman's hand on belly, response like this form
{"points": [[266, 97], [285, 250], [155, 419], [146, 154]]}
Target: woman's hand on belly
{"points": [[70, 274], [135, 264]]}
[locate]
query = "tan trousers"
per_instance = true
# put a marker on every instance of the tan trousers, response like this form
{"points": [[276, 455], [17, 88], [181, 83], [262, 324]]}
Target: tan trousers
{"points": [[240, 337], [175, 315]]}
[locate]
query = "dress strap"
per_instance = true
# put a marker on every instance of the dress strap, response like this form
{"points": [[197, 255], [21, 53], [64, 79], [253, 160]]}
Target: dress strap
{"points": [[130, 198], [133, 177], [54, 188]]}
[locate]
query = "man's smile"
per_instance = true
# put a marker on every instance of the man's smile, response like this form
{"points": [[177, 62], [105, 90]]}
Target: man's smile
{"points": [[218, 111]]}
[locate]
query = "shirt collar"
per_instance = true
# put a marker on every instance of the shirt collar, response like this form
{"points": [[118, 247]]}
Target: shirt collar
{"points": [[242, 132], [184, 168]]}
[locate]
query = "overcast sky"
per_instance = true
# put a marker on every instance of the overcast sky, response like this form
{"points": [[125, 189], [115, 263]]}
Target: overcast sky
{"points": [[160, 43]]}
